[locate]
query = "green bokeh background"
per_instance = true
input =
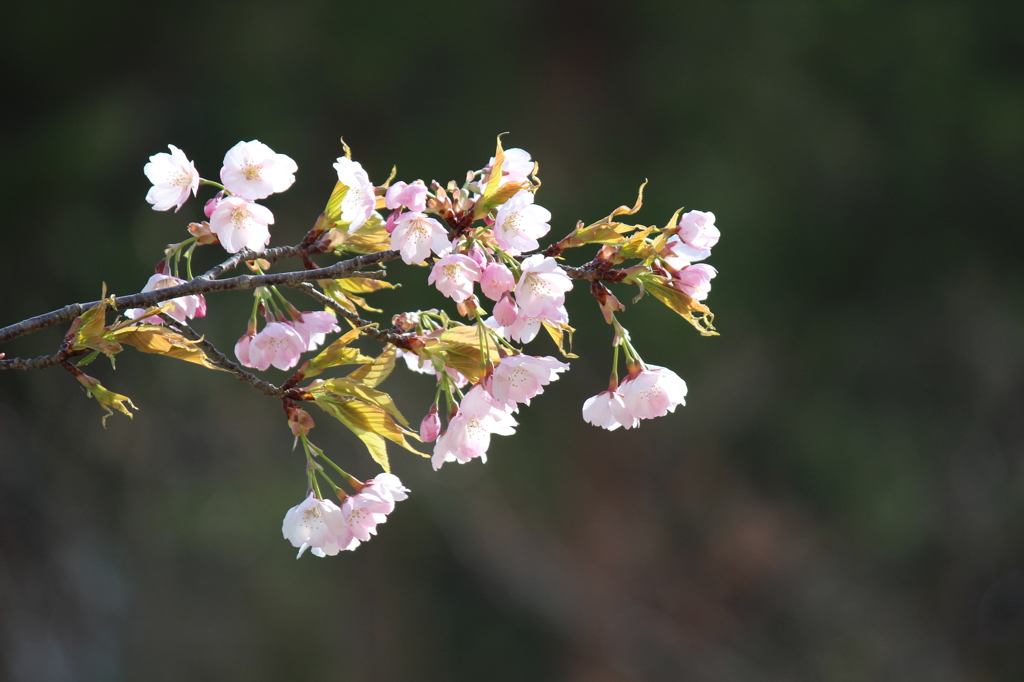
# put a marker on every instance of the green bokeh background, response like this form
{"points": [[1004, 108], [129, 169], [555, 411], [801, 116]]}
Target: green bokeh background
{"points": [[841, 499]]}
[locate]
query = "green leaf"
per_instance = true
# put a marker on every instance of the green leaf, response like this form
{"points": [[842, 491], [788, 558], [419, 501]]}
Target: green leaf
{"points": [[338, 353], [376, 372]]}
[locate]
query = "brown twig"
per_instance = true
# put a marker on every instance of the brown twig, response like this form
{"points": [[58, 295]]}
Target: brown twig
{"points": [[400, 340]]}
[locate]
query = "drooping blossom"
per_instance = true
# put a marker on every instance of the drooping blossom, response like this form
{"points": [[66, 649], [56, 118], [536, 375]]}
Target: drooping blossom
{"points": [[277, 344], [173, 176], [412, 197], [387, 489], [454, 275], [526, 327], [516, 167], [506, 312], [242, 347], [359, 201], [695, 280], [181, 308], [608, 410], [520, 223], [313, 327], [654, 392], [496, 280], [469, 431], [241, 224], [542, 286], [255, 171], [416, 235], [361, 515], [315, 525], [519, 378]]}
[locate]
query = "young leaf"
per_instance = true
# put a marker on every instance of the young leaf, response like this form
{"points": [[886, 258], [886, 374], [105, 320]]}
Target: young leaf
{"points": [[376, 372], [153, 338]]}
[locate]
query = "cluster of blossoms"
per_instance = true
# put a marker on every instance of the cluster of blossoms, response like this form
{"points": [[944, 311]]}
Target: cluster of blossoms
{"points": [[485, 233]]}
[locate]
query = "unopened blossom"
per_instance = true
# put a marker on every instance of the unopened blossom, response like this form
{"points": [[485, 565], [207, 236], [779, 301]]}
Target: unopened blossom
{"points": [[520, 223], [506, 312], [430, 427], [277, 344], [242, 348], [181, 308], [315, 525], [496, 280], [454, 275], [516, 167], [211, 204], [241, 224], [519, 378], [359, 201], [526, 327], [255, 171], [416, 235], [412, 197], [608, 410], [654, 392], [469, 431], [695, 280], [542, 286], [173, 176], [313, 327]]}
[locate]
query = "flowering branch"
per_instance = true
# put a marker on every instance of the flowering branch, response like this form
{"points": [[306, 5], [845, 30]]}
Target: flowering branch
{"points": [[484, 232]]}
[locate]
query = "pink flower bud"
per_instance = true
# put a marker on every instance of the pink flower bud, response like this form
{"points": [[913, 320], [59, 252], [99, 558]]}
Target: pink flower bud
{"points": [[495, 280], [212, 203], [430, 427], [506, 312]]}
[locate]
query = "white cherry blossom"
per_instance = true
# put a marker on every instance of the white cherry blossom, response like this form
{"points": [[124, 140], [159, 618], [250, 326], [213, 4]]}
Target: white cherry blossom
{"points": [[516, 167], [314, 524], [542, 286], [520, 223], [519, 378], [654, 392], [174, 177], [469, 431], [416, 235], [241, 224], [359, 201], [412, 197], [608, 410], [181, 308], [255, 171]]}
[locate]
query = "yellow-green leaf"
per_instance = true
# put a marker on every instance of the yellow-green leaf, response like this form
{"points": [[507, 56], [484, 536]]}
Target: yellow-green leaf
{"points": [[376, 372], [153, 338], [355, 389], [364, 285], [681, 303], [338, 353], [555, 330]]}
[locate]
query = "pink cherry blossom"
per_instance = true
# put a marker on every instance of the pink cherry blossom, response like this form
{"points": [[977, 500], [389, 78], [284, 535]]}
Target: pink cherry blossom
{"points": [[362, 514], [211, 205], [697, 230], [542, 286], [654, 392], [241, 224], [254, 171], [416, 235], [520, 223], [516, 167], [469, 431], [314, 326], [412, 197], [695, 280], [359, 201], [278, 344], [181, 308], [495, 280], [607, 410], [314, 524], [173, 176], [519, 378], [506, 312], [453, 275], [242, 348]]}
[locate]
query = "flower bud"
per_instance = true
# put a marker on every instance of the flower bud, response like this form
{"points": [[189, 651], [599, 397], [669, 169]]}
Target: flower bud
{"points": [[506, 312], [430, 427]]}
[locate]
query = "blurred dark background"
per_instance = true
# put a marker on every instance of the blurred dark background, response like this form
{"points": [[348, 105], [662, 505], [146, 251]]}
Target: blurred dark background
{"points": [[841, 499]]}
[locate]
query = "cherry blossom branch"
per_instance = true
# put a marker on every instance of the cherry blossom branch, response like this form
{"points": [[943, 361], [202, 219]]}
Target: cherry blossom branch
{"points": [[201, 285]]}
